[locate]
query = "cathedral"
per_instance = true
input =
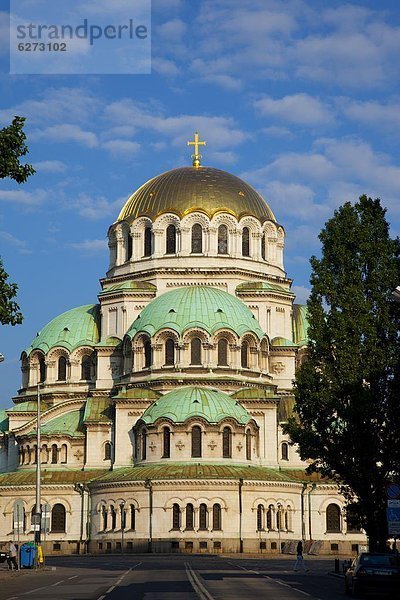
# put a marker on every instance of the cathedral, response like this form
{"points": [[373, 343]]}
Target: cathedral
{"points": [[161, 405]]}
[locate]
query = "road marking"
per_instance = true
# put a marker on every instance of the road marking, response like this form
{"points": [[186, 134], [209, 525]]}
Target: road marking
{"points": [[197, 585], [73, 577], [288, 586], [57, 583], [112, 588]]}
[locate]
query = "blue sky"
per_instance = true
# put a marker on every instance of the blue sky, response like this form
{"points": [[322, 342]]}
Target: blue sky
{"points": [[300, 98]]}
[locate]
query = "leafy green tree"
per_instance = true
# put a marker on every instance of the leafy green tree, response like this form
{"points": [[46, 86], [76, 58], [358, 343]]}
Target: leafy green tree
{"points": [[347, 390], [12, 147]]}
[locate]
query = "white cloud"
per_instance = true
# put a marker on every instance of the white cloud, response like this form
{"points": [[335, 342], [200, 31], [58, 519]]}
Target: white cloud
{"points": [[95, 208], [66, 132], [23, 197], [21, 245], [4, 32], [302, 293], [90, 246], [164, 66], [50, 166], [301, 109], [372, 113], [121, 148]]}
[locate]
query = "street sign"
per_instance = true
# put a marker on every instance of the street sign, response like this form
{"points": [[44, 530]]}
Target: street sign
{"points": [[393, 518], [393, 503]]}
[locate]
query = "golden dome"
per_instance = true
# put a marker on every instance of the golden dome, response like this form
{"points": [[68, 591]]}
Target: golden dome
{"points": [[189, 189]]}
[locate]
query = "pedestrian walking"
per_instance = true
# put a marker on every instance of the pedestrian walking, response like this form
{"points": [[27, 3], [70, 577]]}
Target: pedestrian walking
{"points": [[300, 562], [12, 556]]}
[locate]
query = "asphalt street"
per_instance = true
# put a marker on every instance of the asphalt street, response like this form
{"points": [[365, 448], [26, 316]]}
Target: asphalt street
{"points": [[186, 577]]}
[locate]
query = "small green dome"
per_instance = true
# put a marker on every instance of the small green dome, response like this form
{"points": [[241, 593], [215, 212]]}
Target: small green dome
{"points": [[205, 307], [77, 327], [300, 324], [211, 405], [281, 342]]}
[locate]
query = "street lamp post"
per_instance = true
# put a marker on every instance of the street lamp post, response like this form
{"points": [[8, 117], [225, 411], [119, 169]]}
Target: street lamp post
{"points": [[122, 507], [279, 526], [38, 515]]}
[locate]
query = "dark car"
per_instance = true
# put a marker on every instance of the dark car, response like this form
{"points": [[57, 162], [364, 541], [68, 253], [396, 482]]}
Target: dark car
{"points": [[3, 556], [371, 572]]}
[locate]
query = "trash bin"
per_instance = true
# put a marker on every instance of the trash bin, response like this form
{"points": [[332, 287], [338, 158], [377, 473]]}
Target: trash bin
{"points": [[28, 555]]}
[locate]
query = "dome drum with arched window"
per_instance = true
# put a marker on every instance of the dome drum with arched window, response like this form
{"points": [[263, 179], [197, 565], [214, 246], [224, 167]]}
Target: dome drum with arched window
{"points": [[195, 423]]}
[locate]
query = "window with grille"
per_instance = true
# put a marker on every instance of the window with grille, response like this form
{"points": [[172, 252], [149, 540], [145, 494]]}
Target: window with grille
{"points": [[113, 514], [269, 517], [86, 368], [263, 240], [62, 369], [248, 444], [166, 442], [196, 442], [171, 240], [222, 239], [104, 517], [260, 517], [244, 352], [107, 451], [285, 451], [147, 241], [176, 517], [333, 518], [58, 519], [246, 241], [222, 353], [217, 524], [42, 370], [203, 516], [227, 443], [54, 454], [169, 352], [133, 517], [197, 239], [195, 351], [189, 516]]}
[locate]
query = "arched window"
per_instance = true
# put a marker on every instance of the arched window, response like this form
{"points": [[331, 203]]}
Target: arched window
{"points": [[189, 516], [104, 517], [285, 451], [176, 517], [144, 444], [113, 514], [246, 241], [148, 354], [196, 442], [45, 454], [63, 454], [107, 451], [35, 456], [197, 239], [86, 368], [169, 352], [171, 240], [270, 513], [203, 516], [58, 519], [248, 444], [260, 517], [227, 443], [222, 353], [333, 518], [147, 242], [195, 351], [27, 455], [263, 246], [244, 355], [217, 517], [42, 370], [128, 362], [54, 454], [222, 239], [166, 442], [62, 369], [133, 517], [279, 518], [129, 247]]}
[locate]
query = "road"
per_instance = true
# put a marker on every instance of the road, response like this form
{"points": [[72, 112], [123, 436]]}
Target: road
{"points": [[172, 577]]}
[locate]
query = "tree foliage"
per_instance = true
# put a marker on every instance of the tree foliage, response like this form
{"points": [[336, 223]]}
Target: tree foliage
{"points": [[348, 389], [12, 147]]}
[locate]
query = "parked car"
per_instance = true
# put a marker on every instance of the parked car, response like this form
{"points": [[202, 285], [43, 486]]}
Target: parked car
{"points": [[3, 556], [373, 572]]}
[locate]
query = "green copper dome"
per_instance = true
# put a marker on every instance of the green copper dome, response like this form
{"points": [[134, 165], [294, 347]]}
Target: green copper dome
{"points": [[205, 307], [77, 327], [300, 324], [211, 405]]}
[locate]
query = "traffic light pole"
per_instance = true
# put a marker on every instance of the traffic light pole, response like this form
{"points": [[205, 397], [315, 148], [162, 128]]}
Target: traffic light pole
{"points": [[38, 510]]}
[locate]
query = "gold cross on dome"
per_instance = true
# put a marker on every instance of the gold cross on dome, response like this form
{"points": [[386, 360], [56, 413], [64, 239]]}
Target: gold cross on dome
{"points": [[196, 143]]}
